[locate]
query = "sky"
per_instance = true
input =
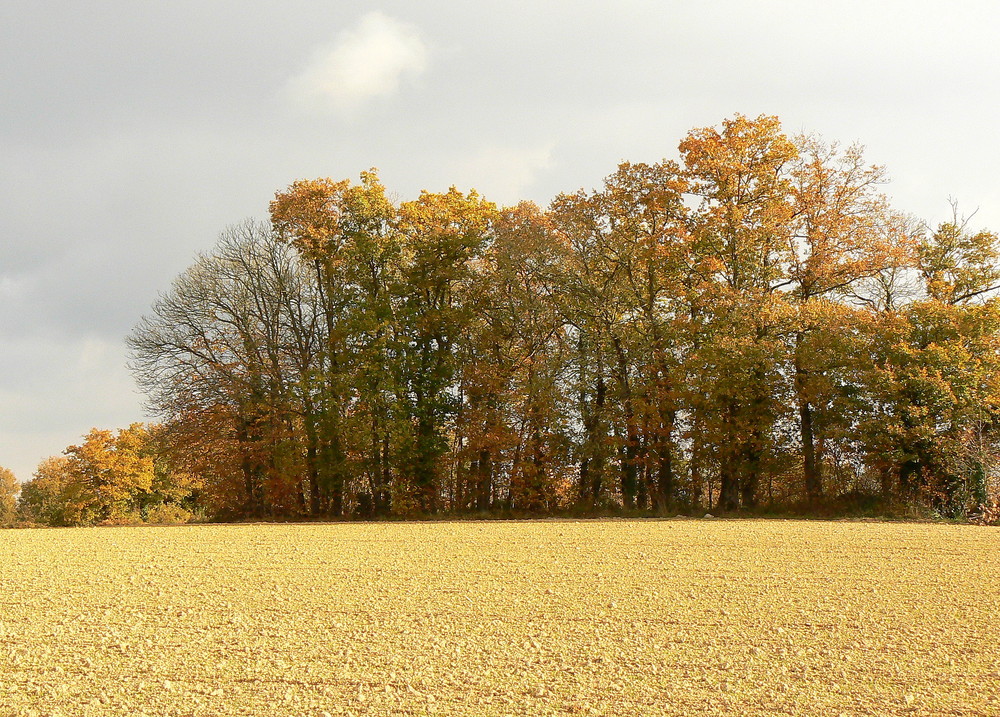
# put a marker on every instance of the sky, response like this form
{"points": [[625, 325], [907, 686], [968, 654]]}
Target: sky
{"points": [[133, 133]]}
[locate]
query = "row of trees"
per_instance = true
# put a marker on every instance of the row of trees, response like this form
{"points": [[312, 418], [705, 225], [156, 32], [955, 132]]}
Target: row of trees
{"points": [[752, 325], [112, 477]]}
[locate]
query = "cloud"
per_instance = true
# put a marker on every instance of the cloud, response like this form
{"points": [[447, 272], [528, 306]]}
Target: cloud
{"points": [[367, 61], [504, 174]]}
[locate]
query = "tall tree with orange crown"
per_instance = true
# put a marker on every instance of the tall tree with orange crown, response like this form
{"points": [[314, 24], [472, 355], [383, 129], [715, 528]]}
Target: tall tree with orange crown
{"points": [[742, 226]]}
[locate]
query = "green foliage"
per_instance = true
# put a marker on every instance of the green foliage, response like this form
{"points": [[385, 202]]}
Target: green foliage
{"points": [[934, 402]]}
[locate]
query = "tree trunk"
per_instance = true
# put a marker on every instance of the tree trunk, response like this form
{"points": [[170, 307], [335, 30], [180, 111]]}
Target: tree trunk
{"points": [[754, 444], [424, 460], [337, 470], [484, 480], [665, 481], [312, 461], [250, 468], [593, 465], [597, 442], [729, 473], [885, 476], [750, 479], [697, 476], [811, 468], [642, 497], [383, 500], [909, 474], [729, 487], [630, 456]]}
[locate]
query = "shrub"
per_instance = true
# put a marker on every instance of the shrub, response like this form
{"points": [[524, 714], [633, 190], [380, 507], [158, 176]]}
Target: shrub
{"points": [[168, 514]]}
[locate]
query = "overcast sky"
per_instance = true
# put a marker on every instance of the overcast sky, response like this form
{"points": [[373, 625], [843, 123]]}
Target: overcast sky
{"points": [[132, 133]]}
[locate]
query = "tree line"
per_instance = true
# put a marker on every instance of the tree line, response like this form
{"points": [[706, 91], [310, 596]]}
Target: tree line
{"points": [[111, 477], [751, 326]]}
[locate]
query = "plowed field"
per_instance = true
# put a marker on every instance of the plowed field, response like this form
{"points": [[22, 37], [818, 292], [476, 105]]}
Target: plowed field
{"points": [[489, 618]]}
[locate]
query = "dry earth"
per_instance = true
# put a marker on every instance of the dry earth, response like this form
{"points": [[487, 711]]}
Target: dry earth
{"points": [[531, 618]]}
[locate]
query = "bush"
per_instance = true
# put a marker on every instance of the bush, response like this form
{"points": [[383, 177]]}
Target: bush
{"points": [[168, 514], [990, 514]]}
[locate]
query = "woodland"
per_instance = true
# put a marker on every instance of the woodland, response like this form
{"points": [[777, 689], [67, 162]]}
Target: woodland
{"points": [[749, 328]]}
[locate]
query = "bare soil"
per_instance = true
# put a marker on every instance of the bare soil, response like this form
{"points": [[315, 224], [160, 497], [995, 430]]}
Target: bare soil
{"points": [[615, 617]]}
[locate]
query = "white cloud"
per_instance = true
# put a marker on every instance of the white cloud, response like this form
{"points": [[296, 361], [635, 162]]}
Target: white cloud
{"points": [[367, 61], [504, 174]]}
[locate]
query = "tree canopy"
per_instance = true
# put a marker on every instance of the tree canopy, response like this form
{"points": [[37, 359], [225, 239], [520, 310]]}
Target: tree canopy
{"points": [[750, 325]]}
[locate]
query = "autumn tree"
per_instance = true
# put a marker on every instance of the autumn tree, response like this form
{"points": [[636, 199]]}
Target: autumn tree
{"points": [[372, 265], [443, 235], [9, 489], [959, 266], [113, 470], [621, 283], [347, 233], [931, 425], [176, 493], [742, 226], [753, 322], [843, 233], [315, 217], [650, 238], [53, 496], [234, 345], [934, 403], [110, 477], [511, 432]]}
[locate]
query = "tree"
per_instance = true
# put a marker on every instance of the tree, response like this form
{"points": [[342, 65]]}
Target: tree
{"points": [[933, 385], [741, 325], [443, 236], [373, 264], [843, 233], [234, 345], [957, 265], [111, 476], [742, 227], [510, 431], [621, 290], [113, 472], [9, 488], [934, 392], [53, 496], [333, 225]]}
